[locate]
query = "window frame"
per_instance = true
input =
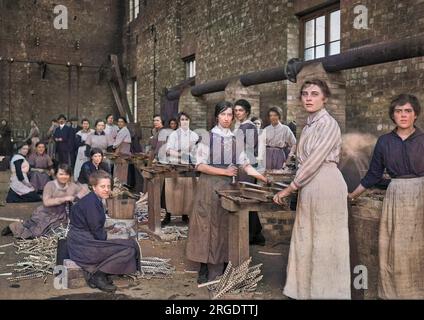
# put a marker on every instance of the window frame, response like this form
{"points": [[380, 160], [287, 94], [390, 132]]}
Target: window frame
{"points": [[132, 9], [326, 11], [187, 60]]}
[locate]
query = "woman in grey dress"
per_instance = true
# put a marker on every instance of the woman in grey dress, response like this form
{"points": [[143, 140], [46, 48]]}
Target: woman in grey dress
{"points": [[41, 167], [58, 196], [216, 159]]}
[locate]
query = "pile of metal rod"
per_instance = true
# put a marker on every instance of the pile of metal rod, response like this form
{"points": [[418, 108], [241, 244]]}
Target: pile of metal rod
{"points": [[120, 190], [173, 233], [141, 209], [37, 257], [153, 267], [237, 280]]}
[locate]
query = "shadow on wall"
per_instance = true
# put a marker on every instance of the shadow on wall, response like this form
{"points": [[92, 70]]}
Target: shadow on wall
{"points": [[355, 157]]}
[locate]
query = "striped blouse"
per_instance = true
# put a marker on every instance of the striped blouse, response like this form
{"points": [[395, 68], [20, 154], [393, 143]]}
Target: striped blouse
{"points": [[319, 143]]}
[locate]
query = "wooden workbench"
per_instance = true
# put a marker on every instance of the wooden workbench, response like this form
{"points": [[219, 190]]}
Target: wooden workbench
{"points": [[154, 178], [238, 231]]}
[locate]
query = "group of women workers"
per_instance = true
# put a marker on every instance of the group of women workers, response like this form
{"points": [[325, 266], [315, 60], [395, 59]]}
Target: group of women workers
{"points": [[318, 266]]}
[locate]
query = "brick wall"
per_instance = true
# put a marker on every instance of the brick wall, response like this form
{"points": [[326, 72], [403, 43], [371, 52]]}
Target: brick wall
{"points": [[96, 24]]}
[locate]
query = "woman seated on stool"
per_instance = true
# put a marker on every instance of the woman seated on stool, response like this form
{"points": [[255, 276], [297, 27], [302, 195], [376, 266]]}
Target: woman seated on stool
{"points": [[94, 164], [21, 190], [87, 240], [58, 195], [41, 167]]}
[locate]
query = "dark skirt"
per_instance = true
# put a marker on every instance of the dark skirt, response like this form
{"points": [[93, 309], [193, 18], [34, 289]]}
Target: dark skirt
{"points": [[275, 158], [117, 256], [13, 197]]}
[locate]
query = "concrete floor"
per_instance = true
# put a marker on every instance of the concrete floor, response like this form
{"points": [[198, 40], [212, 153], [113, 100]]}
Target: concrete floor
{"points": [[181, 286]]}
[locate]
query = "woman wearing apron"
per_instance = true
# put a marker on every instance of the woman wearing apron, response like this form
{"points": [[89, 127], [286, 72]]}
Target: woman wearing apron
{"points": [[216, 159], [318, 266], [401, 234]]}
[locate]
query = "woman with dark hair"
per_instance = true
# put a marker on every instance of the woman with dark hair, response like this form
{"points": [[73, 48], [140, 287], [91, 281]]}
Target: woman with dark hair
{"points": [[81, 138], [111, 129], [181, 146], [21, 190], [122, 147], [99, 139], [247, 138], [5, 139], [280, 140], [216, 160], [87, 239], [58, 195], [94, 164], [173, 124], [318, 265], [401, 235], [42, 168]]}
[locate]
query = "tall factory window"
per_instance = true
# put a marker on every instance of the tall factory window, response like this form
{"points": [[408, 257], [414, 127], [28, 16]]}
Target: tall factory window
{"points": [[190, 64], [134, 9], [132, 96], [320, 33]]}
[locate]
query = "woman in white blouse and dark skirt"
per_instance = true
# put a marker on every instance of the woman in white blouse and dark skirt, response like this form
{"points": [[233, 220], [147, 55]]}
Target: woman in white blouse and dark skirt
{"points": [[216, 159], [401, 235], [318, 266]]}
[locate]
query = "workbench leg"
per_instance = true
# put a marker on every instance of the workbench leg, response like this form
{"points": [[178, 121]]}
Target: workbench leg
{"points": [[238, 237], [153, 202]]}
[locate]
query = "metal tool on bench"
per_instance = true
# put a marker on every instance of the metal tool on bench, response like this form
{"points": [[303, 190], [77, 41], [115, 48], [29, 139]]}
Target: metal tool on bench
{"points": [[259, 192]]}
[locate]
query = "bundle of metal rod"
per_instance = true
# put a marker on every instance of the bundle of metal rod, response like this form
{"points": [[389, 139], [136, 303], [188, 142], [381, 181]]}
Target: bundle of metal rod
{"points": [[237, 280], [173, 233], [153, 267], [38, 256], [119, 190]]}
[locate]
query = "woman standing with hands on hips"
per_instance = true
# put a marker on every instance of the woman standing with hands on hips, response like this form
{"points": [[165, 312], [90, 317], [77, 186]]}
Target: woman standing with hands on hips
{"points": [[318, 266]]}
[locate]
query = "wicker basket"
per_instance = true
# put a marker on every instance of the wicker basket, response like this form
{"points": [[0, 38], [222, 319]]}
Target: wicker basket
{"points": [[121, 208]]}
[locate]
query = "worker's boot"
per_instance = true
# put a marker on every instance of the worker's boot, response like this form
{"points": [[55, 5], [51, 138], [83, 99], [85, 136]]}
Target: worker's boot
{"points": [[6, 232], [166, 220], [185, 218], [203, 273], [99, 279]]}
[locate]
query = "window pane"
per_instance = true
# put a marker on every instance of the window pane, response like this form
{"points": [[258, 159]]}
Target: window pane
{"points": [[194, 68], [334, 48], [136, 8], [320, 30], [309, 54], [335, 25], [309, 34], [131, 10], [320, 52]]}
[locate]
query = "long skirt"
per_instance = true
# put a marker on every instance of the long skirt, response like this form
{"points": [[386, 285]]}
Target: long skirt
{"points": [[401, 241], [179, 195], [39, 180], [80, 160], [41, 222], [13, 197], [117, 256], [208, 229], [275, 158], [319, 266], [255, 226]]}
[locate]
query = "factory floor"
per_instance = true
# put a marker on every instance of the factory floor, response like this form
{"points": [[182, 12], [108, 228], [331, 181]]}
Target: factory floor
{"points": [[181, 286]]}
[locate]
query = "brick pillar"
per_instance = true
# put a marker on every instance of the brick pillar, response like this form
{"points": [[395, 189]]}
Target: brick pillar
{"points": [[336, 105], [235, 91], [196, 107]]}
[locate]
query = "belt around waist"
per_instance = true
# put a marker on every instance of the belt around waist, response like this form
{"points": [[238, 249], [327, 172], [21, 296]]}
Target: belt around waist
{"points": [[270, 147]]}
